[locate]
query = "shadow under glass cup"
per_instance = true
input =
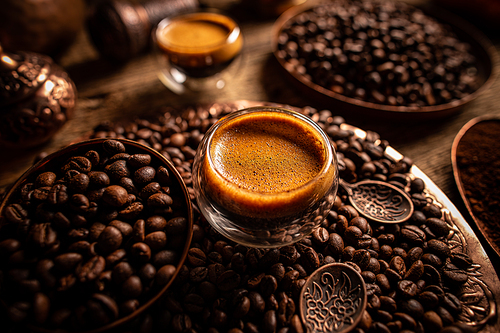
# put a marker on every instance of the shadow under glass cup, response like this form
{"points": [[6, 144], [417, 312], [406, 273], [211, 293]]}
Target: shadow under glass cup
{"points": [[197, 51], [265, 177]]}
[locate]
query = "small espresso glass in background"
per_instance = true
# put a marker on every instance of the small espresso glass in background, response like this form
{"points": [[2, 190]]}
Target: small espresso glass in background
{"points": [[265, 177], [197, 51]]}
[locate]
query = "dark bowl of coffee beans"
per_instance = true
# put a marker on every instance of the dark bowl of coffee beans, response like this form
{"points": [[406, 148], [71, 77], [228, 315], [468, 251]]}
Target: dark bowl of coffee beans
{"points": [[91, 236], [383, 58]]}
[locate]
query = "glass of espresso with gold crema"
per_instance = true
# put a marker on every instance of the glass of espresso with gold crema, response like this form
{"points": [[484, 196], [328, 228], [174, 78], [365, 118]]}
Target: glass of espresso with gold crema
{"points": [[196, 50], [265, 176]]}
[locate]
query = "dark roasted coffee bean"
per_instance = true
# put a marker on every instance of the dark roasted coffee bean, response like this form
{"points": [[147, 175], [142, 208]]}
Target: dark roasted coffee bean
{"points": [[437, 226], [159, 200], [461, 260], [110, 239], [407, 288], [141, 252], [91, 269], [439, 248], [113, 147], [165, 274], [454, 275], [176, 225], [268, 285], [139, 231], [288, 255], [125, 228], [228, 280], [144, 175], [15, 213], [196, 257], [42, 235], [413, 234], [156, 240], [432, 322], [432, 259], [78, 163], [139, 160], [115, 196]]}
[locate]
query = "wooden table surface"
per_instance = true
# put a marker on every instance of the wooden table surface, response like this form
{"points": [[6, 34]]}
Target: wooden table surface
{"points": [[110, 92]]}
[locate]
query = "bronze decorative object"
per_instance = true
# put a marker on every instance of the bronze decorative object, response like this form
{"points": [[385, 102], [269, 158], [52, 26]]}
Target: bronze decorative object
{"points": [[333, 299], [37, 97], [379, 201]]}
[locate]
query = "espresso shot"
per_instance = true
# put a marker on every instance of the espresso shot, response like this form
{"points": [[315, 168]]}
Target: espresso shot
{"points": [[265, 176], [197, 46]]}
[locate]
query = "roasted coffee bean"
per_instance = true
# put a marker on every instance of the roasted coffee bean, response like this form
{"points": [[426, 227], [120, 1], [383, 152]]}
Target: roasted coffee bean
{"points": [[320, 236], [156, 240], [439, 248], [413, 234], [288, 255], [196, 257], [268, 285], [228, 280], [454, 275], [159, 200], [407, 288], [437, 226], [144, 175], [176, 225], [42, 235], [91, 269], [117, 170], [110, 239], [165, 274], [125, 228], [432, 259], [115, 196], [461, 260], [432, 321], [78, 163]]}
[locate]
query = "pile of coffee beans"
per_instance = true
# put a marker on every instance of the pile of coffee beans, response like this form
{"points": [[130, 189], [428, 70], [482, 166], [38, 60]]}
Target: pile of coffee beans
{"points": [[90, 236], [413, 271], [384, 52]]}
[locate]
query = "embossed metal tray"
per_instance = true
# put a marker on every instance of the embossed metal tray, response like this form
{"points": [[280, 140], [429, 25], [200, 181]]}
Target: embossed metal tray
{"points": [[481, 48], [481, 293]]}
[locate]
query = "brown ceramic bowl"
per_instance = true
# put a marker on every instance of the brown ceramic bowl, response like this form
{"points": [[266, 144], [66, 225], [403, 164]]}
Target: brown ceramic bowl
{"points": [[41, 244], [481, 48]]}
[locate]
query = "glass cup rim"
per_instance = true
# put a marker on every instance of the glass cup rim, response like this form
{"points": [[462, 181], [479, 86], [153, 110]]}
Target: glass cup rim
{"points": [[231, 37], [330, 153]]}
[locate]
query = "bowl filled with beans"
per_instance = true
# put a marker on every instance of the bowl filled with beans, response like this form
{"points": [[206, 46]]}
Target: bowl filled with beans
{"points": [[383, 58], [91, 236]]}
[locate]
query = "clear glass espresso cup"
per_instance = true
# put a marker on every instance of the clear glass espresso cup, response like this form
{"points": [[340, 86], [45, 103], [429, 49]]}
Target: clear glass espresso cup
{"points": [[265, 176], [197, 51]]}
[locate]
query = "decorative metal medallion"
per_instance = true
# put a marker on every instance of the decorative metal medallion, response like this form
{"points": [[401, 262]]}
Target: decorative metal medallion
{"points": [[333, 299], [379, 201]]}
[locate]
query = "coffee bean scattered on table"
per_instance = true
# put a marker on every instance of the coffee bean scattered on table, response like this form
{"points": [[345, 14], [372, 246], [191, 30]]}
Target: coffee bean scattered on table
{"points": [[383, 52], [413, 271], [90, 237]]}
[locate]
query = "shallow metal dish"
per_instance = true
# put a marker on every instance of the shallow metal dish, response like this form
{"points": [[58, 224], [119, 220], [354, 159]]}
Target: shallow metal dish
{"points": [[481, 48], [484, 227]]}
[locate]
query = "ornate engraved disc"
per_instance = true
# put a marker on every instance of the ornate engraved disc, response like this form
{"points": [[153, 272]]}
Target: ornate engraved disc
{"points": [[333, 299]]}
